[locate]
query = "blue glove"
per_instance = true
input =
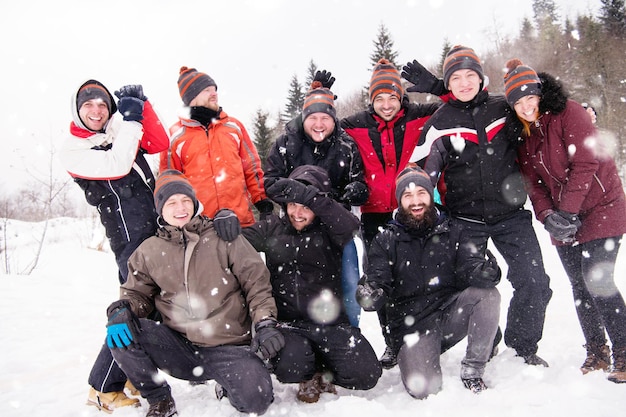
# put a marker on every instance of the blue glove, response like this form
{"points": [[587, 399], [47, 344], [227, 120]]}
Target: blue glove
{"points": [[227, 225], [123, 325], [131, 108], [133, 90], [267, 340]]}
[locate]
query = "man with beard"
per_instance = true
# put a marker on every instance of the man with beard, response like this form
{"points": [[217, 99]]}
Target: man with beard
{"points": [[436, 288]]}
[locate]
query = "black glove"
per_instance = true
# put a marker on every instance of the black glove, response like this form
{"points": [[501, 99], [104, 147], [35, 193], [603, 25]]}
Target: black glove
{"points": [[490, 271], [325, 77], [287, 190], [355, 193], [265, 208], [267, 340], [227, 225], [131, 108], [123, 325], [423, 80], [562, 225], [369, 298], [132, 90]]}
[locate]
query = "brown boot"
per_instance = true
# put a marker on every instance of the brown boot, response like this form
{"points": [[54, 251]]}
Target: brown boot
{"points": [[309, 391], [618, 373], [326, 382], [109, 401], [598, 358]]}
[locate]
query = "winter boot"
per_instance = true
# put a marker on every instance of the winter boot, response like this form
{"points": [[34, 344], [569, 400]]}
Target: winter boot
{"points": [[534, 359], [476, 385], [326, 383], [598, 358], [618, 373], [163, 408], [109, 401], [389, 358], [309, 391], [131, 389]]}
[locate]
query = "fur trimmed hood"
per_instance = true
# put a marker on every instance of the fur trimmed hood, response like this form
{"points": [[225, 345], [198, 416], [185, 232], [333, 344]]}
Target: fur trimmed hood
{"points": [[553, 94]]}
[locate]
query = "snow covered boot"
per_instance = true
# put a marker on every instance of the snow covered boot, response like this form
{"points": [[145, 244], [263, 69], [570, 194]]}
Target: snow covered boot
{"points": [[109, 401], [163, 408], [598, 358], [326, 383], [389, 358], [476, 385], [534, 359], [618, 373], [309, 391]]}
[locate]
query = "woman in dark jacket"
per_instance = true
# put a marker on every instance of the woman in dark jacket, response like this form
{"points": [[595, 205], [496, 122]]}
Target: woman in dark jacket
{"points": [[577, 194]]}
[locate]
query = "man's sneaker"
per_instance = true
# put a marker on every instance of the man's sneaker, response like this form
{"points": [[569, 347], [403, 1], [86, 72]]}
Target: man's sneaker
{"points": [[163, 408], [535, 360], [476, 385], [598, 358], [618, 373], [109, 401], [389, 358]]}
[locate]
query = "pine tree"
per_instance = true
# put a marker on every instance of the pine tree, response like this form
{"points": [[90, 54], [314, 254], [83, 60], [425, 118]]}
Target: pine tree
{"points": [[613, 17], [262, 135], [383, 47], [310, 73], [295, 100]]}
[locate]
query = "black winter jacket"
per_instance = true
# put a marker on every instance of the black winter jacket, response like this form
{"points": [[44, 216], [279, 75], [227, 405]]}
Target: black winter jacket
{"points": [[472, 158], [422, 274], [337, 154]]}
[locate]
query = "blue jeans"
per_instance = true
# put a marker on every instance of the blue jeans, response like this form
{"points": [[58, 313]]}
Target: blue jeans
{"points": [[350, 275]]}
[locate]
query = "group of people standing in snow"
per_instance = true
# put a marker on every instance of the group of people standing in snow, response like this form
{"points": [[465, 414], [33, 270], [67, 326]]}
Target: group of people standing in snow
{"points": [[434, 184]]}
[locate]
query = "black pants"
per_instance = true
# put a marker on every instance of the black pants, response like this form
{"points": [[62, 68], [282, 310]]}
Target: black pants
{"points": [[590, 268], [517, 242], [341, 350], [243, 375]]}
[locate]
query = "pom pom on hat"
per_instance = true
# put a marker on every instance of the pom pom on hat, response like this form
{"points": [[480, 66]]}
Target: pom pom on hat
{"points": [[385, 79], [461, 57], [172, 182], [319, 99], [413, 176], [191, 82], [520, 80]]}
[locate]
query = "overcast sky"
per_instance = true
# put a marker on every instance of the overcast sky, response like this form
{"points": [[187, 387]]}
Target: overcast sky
{"points": [[251, 48]]}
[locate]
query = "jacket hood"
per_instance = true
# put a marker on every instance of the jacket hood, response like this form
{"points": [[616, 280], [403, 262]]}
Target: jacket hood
{"points": [[553, 94], [312, 175], [74, 105]]}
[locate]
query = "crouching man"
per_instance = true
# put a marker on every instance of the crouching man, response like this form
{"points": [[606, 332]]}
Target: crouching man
{"points": [[435, 288], [210, 293]]}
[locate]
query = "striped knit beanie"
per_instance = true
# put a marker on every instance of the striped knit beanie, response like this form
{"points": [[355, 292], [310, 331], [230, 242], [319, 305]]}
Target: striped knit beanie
{"points": [[93, 89], [172, 182], [385, 79], [520, 81], [319, 99], [412, 177], [191, 83], [461, 57]]}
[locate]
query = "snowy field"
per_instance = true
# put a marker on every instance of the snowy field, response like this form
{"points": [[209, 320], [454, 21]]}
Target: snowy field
{"points": [[52, 325]]}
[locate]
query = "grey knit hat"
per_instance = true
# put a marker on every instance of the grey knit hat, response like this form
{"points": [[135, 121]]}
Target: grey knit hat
{"points": [[412, 177]]}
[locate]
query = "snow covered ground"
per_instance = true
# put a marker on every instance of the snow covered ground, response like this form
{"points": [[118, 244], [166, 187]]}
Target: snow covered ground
{"points": [[52, 324]]}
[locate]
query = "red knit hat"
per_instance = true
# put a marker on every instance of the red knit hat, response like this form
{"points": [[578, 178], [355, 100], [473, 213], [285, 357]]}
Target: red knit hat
{"points": [[385, 79], [191, 83]]}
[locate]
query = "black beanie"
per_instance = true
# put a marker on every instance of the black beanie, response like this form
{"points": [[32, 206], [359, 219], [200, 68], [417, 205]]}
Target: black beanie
{"points": [[520, 81], [191, 83], [172, 182], [461, 57], [411, 177], [93, 89]]}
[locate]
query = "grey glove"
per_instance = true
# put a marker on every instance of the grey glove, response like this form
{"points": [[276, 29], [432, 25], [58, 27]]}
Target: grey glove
{"points": [[562, 226], [267, 340], [369, 298], [490, 271], [227, 225]]}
